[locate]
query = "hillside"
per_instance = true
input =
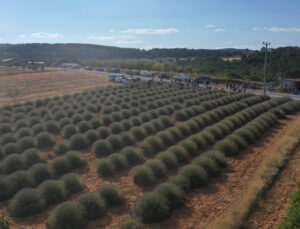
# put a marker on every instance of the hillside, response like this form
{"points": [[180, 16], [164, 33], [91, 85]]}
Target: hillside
{"points": [[282, 61]]}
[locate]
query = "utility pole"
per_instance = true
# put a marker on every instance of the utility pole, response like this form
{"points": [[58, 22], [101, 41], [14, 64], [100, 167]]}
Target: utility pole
{"points": [[266, 44]]}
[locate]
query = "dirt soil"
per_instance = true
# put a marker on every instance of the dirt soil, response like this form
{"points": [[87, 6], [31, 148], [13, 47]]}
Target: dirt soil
{"points": [[272, 207], [202, 206], [46, 84]]}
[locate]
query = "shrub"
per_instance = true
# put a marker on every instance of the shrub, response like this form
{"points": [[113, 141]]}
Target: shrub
{"points": [[26, 203], [38, 128], [119, 160], [169, 159], [21, 123], [61, 165], [91, 136], [199, 141], [78, 142], [182, 182], [157, 125], [107, 119], [180, 152], [157, 166], [138, 133], [7, 138], [103, 132], [52, 192], [172, 193], [94, 206], [102, 148], [132, 155], [165, 120], [115, 128], [148, 128], [125, 124], [151, 145], [72, 183], [180, 115], [61, 148], [143, 175], [11, 163], [95, 123], [196, 175], [40, 172], [127, 138], [184, 129], [44, 140], [76, 118], [68, 131], [111, 194], [176, 133], [25, 143], [83, 126], [31, 157], [246, 134], [76, 159], [52, 127], [105, 167], [215, 131], [5, 128], [68, 215], [190, 146], [166, 137], [240, 142], [218, 157], [24, 132], [152, 208], [130, 224], [17, 181], [63, 122], [208, 164], [228, 147], [209, 138], [116, 142]]}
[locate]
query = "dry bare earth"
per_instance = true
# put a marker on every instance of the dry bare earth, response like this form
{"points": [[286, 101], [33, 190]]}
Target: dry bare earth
{"points": [[45, 84], [272, 207]]}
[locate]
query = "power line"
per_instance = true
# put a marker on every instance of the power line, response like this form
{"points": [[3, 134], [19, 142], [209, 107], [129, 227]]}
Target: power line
{"points": [[266, 44]]}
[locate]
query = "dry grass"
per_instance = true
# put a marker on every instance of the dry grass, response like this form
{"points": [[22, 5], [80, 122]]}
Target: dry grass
{"points": [[265, 175], [49, 83]]}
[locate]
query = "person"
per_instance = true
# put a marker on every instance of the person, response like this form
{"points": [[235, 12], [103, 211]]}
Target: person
{"points": [[295, 92]]}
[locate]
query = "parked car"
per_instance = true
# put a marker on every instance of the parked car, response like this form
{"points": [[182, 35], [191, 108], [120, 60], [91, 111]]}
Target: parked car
{"points": [[181, 77], [89, 68], [115, 70], [130, 80], [112, 77], [120, 79], [100, 69], [146, 74]]}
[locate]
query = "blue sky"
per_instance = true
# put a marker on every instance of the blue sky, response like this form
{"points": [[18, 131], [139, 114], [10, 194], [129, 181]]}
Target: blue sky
{"points": [[152, 23]]}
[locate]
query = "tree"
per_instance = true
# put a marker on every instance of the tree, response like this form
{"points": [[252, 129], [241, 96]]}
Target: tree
{"points": [[13, 93]]}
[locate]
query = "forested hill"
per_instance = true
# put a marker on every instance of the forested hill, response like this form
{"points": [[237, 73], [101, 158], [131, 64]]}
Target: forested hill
{"points": [[80, 52], [284, 61]]}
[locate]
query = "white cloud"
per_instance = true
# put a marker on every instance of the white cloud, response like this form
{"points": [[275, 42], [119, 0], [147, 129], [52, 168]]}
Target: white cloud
{"points": [[126, 42], [256, 28], [111, 30], [23, 36], [277, 29], [220, 30], [47, 35], [286, 30], [210, 26], [151, 31], [109, 38]]}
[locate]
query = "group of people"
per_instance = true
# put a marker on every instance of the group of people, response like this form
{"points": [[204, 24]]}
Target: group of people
{"points": [[237, 87]]}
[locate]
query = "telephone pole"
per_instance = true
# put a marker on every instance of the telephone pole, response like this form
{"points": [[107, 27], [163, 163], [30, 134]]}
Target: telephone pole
{"points": [[266, 44]]}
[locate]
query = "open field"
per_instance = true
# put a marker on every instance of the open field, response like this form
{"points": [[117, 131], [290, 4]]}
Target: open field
{"points": [[50, 83], [177, 157]]}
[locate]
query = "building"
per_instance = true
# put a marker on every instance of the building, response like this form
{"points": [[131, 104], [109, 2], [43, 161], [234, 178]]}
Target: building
{"points": [[70, 65], [290, 84]]}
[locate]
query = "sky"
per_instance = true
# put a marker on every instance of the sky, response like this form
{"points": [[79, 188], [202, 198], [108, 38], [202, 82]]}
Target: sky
{"points": [[146, 24]]}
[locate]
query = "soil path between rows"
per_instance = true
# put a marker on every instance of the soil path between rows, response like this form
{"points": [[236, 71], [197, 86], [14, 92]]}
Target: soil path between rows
{"points": [[272, 207]]}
